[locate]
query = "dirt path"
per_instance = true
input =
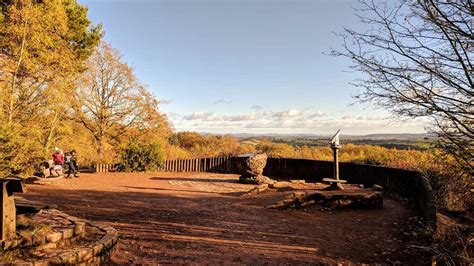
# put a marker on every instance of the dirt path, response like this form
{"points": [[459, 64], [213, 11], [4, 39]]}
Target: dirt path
{"points": [[196, 217]]}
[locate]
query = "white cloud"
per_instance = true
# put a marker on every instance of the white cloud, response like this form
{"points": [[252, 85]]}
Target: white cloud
{"points": [[317, 114], [173, 115], [257, 107], [200, 116], [293, 121], [213, 117], [371, 118], [287, 114]]}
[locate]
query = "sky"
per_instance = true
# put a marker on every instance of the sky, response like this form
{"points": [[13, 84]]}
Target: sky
{"points": [[245, 66]]}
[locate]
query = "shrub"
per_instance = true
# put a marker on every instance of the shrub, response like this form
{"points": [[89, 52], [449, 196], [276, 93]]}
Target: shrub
{"points": [[18, 154], [139, 157]]}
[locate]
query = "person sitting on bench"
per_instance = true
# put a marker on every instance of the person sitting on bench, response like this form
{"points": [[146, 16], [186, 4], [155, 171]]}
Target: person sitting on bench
{"points": [[58, 160], [70, 159]]}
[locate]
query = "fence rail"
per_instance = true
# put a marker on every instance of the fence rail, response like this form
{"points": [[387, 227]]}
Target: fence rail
{"points": [[409, 184], [211, 164], [105, 167]]}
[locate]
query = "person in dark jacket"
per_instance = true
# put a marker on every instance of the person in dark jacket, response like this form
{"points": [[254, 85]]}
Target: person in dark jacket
{"points": [[71, 161]]}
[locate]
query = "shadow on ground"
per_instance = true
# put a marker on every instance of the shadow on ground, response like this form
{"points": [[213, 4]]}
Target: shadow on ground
{"points": [[172, 226], [196, 179]]}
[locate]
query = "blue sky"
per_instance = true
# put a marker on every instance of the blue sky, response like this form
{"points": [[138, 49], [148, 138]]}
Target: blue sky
{"points": [[251, 66]]}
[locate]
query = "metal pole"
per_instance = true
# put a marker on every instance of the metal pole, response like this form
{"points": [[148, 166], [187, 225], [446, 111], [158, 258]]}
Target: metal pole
{"points": [[336, 162]]}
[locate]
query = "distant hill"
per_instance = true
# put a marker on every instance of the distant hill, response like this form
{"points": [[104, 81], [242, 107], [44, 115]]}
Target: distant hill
{"points": [[398, 141], [398, 136]]}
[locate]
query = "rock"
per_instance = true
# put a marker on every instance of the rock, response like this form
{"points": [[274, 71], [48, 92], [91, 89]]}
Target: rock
{"points": [[308, 203], [258, 189], [260, 179], [251, 168], [298, 181], [253, 165], [281, 184], [331, 199], [377, 187], [54, 237], [299, 194]]}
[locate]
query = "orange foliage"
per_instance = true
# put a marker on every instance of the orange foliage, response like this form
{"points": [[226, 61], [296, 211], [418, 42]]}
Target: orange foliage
{"points": [[192, 144]]}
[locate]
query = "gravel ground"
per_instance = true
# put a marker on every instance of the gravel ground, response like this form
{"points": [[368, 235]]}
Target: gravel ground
{"points": [[202, 218]]}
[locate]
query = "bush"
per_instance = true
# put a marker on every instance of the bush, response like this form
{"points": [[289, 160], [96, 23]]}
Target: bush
{"points": [[18, 154], [138, 157]]}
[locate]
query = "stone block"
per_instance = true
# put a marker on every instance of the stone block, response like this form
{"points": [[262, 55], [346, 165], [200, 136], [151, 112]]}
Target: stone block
{"points": [[298, 181], [84, 254], [45, 262], [54, 237], [97, 248], [49, 246], [68, 233], [281, 184], [68, 258], [26, 241], [8, 244], [107, 241], [39, 240], [79, 229]]}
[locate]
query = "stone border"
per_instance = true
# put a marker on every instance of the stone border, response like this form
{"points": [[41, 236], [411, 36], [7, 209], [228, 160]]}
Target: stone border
{"points": [[94, 253], [49, 240]]}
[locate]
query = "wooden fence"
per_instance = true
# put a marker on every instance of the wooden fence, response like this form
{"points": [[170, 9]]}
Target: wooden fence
{"points": [[105, 167], [409, 184], [211, 164]]}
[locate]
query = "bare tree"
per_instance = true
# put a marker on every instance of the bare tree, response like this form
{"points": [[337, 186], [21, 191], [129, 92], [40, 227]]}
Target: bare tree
{"points": [[417, 61]]}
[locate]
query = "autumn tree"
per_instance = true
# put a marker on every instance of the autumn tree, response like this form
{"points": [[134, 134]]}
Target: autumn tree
{"points": [[43, 46], [111, 103], [417, 61], [198, 145], [42, 43]]}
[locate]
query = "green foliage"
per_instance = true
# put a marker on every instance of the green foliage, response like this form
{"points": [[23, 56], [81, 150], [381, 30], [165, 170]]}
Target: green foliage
{"points": [[84, 36], [17, 155], [43, 48], [139, 157]]}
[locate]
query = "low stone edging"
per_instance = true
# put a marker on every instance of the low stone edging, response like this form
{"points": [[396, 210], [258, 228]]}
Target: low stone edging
{"points": [[49, 240], [93, 253]]}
